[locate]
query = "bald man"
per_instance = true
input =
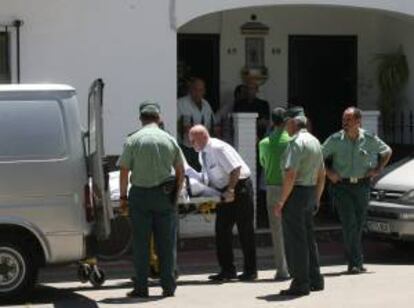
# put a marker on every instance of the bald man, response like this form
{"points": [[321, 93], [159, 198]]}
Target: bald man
{"points": [[224, 170], [191, 110]]}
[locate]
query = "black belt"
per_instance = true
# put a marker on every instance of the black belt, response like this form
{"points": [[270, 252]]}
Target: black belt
{"points": [[240, 183], [355, 181]]}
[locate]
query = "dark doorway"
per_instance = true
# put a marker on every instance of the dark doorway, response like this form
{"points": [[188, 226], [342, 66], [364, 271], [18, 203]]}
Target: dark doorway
{"points": [[198, 55], [4, 57], [323, 78]]}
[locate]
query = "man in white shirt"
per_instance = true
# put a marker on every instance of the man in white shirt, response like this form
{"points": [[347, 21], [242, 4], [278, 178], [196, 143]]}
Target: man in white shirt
{"points": [[224, 170], [191, 110]]}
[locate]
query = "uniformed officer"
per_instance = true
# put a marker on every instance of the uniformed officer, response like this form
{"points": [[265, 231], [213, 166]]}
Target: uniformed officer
{"points": [[356, 157], [303, 183], [150, 154]]}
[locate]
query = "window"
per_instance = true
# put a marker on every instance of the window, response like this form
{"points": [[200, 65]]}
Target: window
{"points": [[31, 130], [4, 57]]}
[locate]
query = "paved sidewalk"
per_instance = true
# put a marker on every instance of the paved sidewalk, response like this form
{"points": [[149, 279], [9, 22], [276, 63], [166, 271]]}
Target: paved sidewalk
{"points": [[383, 286]]}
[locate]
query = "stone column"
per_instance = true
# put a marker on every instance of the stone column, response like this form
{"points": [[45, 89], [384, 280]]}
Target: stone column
{"points": [[370, 120], [244, 141]]}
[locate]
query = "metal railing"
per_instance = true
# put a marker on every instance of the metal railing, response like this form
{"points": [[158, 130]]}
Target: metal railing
{"points": [[398, 128]]}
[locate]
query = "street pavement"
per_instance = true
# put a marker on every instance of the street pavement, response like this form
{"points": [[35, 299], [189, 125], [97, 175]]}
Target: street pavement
{"points": [[388, 283]]}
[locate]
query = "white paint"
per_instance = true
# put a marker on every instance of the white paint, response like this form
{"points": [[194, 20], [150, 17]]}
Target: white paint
{"points": [[370, 120], [131, 44], [188, 10], [285, 21]]}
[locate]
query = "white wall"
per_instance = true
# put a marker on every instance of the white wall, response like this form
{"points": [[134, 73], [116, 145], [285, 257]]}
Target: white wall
{"points": [[285, 21], [191, 9], [129, 43]]}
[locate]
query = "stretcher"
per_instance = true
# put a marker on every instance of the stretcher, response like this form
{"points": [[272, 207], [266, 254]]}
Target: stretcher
{"points": [[195, 198]]}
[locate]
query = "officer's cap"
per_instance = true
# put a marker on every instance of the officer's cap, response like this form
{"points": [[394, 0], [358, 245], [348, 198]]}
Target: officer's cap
{"points": [[149, 108], [278, 115], [294, 112]]}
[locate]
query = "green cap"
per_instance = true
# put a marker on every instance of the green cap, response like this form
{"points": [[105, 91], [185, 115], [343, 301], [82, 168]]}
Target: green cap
{"points": [[294, 112], [149, 108], [278, 115]]}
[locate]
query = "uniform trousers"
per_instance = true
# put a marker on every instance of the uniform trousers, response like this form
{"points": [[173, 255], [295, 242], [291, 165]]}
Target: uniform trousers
{"points": [[241, 213], [301, 249], [152, 210], [351, 202]]}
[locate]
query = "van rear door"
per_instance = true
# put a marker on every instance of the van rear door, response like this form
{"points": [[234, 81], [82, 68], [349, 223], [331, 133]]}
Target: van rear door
{"points": [[96, 169]]}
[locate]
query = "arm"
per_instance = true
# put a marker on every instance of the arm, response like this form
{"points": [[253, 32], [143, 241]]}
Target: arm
{"points": [[288, 183], [234, 178], [179, 178], [123, 187], [333, 176], [383, 161], [320, 184]]}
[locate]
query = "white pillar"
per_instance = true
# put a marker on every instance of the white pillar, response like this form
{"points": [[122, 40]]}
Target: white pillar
{"points": [[244, 141], [370, 120]]}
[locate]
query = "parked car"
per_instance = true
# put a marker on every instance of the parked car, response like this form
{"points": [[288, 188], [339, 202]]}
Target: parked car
{"points": [[50, 169], [391, 208]]}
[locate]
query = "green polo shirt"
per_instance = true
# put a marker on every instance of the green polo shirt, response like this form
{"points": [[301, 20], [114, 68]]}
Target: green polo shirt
{"points": [[353, 158], [304, 155], [270, 152], [150, 154]]}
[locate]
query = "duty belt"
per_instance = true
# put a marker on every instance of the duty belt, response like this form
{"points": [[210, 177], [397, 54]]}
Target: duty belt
{"points": [[355, 180]]}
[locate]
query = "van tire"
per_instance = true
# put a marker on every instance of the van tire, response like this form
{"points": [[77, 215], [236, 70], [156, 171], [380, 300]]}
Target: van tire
{"points": [[18, 269]]}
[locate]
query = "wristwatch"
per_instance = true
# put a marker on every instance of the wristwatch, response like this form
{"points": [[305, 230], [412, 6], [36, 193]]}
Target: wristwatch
{"points": [[123, 198]]}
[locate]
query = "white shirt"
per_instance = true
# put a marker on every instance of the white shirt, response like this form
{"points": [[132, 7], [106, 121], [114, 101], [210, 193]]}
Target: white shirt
{"points": [[220, 160], [189, 112]]}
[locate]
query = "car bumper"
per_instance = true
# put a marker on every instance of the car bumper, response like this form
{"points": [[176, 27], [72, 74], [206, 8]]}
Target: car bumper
{"points": [[390, 220]]}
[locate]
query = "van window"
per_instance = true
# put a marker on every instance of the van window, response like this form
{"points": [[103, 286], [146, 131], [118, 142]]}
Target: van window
{"points": [[31, 130]]}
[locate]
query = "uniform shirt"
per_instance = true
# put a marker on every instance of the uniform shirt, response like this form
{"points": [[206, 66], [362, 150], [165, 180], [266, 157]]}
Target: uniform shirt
{"points": [[188, 113], [354, 158], [304, 155], [150, 154], [270, 152], [218, 159]]}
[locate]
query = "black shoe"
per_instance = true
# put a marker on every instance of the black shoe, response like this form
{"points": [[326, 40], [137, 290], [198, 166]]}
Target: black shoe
{"points": [[168, 293], [281, 277], [362, 269], [138, 293], [294, 292], [317, 287], [247, 276], [223, 276], [354, 270]]}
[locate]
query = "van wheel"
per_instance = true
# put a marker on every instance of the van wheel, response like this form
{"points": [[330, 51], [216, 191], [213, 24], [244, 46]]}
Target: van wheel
{"points": [[18, 273]]}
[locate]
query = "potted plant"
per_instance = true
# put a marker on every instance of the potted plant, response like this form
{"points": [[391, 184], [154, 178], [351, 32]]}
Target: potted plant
{"points": [[393, 73]]}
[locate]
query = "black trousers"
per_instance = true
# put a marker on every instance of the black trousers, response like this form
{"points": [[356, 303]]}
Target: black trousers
{"points": [[241, 213], [300, 246]]}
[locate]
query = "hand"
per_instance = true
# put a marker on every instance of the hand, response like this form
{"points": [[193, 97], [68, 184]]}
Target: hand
{"points": [[373, 173], [316, 209], [277, 209], [123, 206], [334, 177], [228, 196]]}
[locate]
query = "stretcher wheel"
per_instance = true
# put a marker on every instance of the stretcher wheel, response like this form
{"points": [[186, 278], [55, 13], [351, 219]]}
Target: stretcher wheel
{"points": [[97, 277]]}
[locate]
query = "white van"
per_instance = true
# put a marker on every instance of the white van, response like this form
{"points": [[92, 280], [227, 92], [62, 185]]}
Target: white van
{"points": [[48, 212]]}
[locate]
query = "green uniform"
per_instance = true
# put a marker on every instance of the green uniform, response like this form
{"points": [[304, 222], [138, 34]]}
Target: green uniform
{"points": [[150, 154], [351, 160], [304, 155]]}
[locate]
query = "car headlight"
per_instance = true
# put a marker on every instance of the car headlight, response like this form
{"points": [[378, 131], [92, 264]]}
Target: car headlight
{"points": [[408, 197]]}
